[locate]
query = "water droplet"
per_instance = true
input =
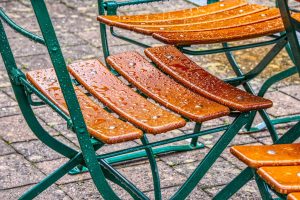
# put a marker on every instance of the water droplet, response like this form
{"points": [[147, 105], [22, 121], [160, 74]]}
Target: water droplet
{"points": [[240, 97], [198, 106], [111, 127], [298, 174], [271, 152], [132, 64], [222, 5], [155, 117], [263, 15], [169, 56]]}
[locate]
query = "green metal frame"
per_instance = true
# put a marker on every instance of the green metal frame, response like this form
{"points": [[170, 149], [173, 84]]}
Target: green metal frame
{"points": [[111, 7], [98, 165], [293, 134]]}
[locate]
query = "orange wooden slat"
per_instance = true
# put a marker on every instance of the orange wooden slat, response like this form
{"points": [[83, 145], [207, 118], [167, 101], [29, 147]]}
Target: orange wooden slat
{"points": [[155, 84], [101, 124], [170, 60], [111, 91]]}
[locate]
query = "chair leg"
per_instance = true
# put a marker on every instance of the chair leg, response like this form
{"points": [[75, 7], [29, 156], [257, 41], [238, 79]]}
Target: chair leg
{"points": [[211, 157], [263, 187], [237, 183], [154, 169], [248, 88], [194, 141], [264, 88]]}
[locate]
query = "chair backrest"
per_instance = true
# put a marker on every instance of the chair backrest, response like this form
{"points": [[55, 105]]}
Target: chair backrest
{"points": [[49, 39]]}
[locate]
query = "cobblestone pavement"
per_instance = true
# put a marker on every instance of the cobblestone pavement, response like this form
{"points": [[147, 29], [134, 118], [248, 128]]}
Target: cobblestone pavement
{"points": [[24, 160]]}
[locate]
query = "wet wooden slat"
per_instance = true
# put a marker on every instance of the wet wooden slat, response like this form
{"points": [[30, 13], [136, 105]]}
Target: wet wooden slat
{"points": [[155, 84], [111, 91], [284, 179], [294, 196], [175, 15], [224, 35], [101, 124], [170, 60], [268, 155], [255, 18]]}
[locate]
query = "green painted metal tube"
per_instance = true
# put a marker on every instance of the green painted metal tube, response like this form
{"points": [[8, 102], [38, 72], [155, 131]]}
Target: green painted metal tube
{"points": [[163, 142], [211, 157], [15, 77], [235, 48], [154, 169], [119, 179], [19, 29], [52, 178], [66, 86]]}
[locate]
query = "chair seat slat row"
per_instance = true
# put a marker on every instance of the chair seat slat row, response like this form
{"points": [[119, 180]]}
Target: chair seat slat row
{"points": [[170, 60], [278, 165], [111, 91], [151, 81], [101, 124], [230, 21]]}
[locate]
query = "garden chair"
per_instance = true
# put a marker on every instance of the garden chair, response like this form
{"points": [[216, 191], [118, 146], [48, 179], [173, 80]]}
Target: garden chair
{"points": [[218, 22], [274, 167], [289, 137], [95, 127]]}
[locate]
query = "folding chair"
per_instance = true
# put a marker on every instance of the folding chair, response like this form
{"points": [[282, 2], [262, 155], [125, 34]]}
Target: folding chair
{"points": [[274, 167], [207, 98], [262, 159], [218, 22]]}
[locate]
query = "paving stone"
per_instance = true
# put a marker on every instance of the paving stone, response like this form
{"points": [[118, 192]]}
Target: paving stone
{"points": [[9, 111], [49, 166], [6, 101], [16, 171], [5, 148], [87, 190], [15, 129], [175, 159], [211, 139], [292, 90], [249, 192], [220, 173], [36, 151], [4, 81], [167, 193], [27, 48], [51, 193], [30, 63], [141, 176], [79, 52], [283, 104], [50, 117]]}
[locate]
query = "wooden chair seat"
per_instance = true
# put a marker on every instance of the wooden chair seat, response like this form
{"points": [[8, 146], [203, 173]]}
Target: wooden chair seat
{"points": [[170, 60], [268, 155], [283, 179], [155, 84], [112, 92], [294, 196], [101, 124], [218, 22]]}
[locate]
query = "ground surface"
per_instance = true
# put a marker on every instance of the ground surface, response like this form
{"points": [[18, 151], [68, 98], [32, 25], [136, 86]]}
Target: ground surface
{"points": [[24, 160]]}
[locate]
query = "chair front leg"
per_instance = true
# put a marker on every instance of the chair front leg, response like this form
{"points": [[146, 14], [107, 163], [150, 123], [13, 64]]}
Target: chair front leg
{"points": [[211, 157]]}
